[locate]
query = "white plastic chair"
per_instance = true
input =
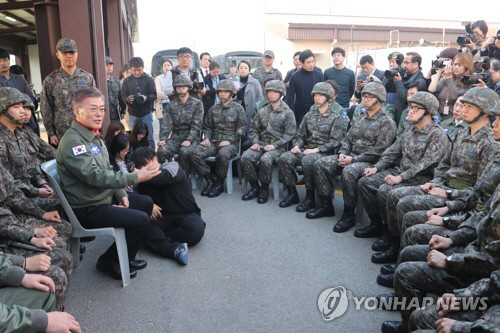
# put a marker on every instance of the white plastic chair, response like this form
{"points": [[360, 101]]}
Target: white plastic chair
{"points": [[275, 183], [50, 168]]}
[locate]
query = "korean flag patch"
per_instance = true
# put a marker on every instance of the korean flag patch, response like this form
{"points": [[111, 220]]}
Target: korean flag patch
{"points": [[95, 150], [78, 150]]}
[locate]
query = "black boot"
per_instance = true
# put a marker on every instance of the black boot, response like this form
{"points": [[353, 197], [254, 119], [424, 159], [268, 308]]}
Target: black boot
{"points": [[292, 198], [386, 280], [252, 193], [389, 256], [325, 208], [210, 182], [388, 268], [308, 203], [347, 221], [394, 327], [374, 229], [216, 189], [264, 194], [383, 243]]}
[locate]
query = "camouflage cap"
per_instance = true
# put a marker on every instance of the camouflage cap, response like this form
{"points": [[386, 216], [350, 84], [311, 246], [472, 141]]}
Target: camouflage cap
{"points": [[324, 89], [109, 61], [183, 81], [427, 100], [484, 98], [376, 89], [226, 85], [28, 102], [276, 85], [9, 96], [268, 53], [66, 45]]}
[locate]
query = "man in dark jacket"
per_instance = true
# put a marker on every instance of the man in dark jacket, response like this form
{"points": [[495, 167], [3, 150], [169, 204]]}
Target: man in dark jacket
{"points": [[139, 93], [301, 84], [180, 217], [369, 73]]}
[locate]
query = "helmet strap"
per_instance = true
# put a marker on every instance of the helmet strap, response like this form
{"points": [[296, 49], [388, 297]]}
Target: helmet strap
{"points": [[476, 118]]}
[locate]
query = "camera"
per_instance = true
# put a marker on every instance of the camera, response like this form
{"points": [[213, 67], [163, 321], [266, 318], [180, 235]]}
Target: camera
{"points": [[138, 99], [439, 63], [469, 38], [391, 73], [196, 85], [481, 64], [474, 78]]}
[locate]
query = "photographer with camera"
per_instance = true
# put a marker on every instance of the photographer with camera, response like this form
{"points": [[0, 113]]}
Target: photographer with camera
{"points": [[447, 84], [491, 47], [184, 56], [495, 75], [412, 72], [395, 62], [368, 73], [473, 40], [139, 93]]}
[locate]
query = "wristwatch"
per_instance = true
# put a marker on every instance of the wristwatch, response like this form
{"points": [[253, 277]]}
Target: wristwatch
{"points": [[448, 194], [446, 219]]}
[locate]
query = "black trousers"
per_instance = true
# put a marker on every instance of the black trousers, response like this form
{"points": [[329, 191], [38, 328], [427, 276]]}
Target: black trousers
{"points": [[134, 220], [183, 228]]}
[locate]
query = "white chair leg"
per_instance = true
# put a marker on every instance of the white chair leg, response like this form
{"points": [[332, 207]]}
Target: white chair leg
{"points": [[275, 180], [360, 211], [229, 178], [121, 246], [75, 251], [238, 166]]}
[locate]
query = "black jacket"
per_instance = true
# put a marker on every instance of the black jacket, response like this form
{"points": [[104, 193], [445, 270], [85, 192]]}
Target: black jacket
{"points": [[362, 77], [299, 97], [209, 98], [144, 85]]}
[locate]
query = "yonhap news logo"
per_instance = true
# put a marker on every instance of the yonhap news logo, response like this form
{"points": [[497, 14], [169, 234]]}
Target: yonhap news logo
{"points": [[333, 303]]}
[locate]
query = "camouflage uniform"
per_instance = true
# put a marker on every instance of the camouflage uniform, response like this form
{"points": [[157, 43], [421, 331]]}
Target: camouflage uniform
{"points": [[269, 127], [386, 107], [403, 122], [337, 108], [114, 98], [365, 142], [261, 75], [181, 122], [58, 90], [322, 131], [451, 127], [420, 151], [223, 123], [478, 260]]}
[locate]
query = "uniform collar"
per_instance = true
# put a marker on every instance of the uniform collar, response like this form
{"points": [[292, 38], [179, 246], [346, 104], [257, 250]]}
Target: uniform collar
{"points": [[64, 73], [426, 129], [84, 131]]}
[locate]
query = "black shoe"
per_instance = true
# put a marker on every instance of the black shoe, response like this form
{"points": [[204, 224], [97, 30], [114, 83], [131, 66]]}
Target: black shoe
{"points": [[325, 208], [388, 268], [373, 230], [386, 302], [216, 190], [263, 195], [386, 280], [308, 203], [181, 254], [252, 193], [112, 269], [386, 257], [382, 244], [83, 248], [87, 239], [210, 183], [291, 199], [346, 222], [136, 265], [394, 327]]}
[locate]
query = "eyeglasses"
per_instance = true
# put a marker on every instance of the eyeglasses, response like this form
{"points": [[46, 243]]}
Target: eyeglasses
{"points": [[187, 56], [366, 96], [416, 108], [408, 62]]}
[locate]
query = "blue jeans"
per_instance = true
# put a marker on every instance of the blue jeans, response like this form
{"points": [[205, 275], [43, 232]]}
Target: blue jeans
{"points": [[148, 120]]}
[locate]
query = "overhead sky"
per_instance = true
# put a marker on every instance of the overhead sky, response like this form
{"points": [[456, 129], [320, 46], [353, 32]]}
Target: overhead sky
{"points": [[220, 26]]}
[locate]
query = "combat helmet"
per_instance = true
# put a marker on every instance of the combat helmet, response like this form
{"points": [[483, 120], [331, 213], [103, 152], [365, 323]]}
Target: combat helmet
{"points": [[427, 100], [226, 85], [484, 98], [28, 102], [276, 85], [9, 96], [324, 89], [376, 89], [183, 81]]}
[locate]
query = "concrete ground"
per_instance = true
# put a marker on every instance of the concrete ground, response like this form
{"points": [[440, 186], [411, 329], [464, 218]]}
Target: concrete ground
{"points": [[259, 268]]}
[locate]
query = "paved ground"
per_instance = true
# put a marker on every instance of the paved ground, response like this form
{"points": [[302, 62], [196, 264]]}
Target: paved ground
{"points": [[260, 268]]}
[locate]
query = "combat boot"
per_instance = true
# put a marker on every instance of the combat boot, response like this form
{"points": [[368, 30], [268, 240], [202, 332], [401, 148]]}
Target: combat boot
{"points": [[292, 198], [390, 255], [308, 203], [325, 208], [374, 229], [346, 222], [383, 243], [210, 182], [216, 189], [252, 193], [264, 194]]}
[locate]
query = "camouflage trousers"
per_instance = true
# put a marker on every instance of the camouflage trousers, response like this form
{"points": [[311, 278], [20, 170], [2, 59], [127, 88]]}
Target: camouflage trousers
{"points": [[63, 228], [414, 231], [374, 191], [172, 147], [222, 157], [408, 199], [258, 165], [424, 320], [325, 171], [47, 204], [415, 278], [61, 267], [287, 163]]}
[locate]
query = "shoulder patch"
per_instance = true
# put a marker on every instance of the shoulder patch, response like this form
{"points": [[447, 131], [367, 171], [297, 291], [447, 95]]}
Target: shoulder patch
{"points": [[95, 150], [78, 150]]}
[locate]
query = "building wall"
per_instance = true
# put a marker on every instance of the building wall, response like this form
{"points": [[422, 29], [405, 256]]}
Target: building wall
{"points": [[34, 60]]}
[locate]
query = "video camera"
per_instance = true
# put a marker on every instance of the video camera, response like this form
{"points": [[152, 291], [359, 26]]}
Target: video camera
{"points": [[196, 85], [439, 63], [481, 64], [391, 73], [138, 99], [469, 38], [474, 78]]}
